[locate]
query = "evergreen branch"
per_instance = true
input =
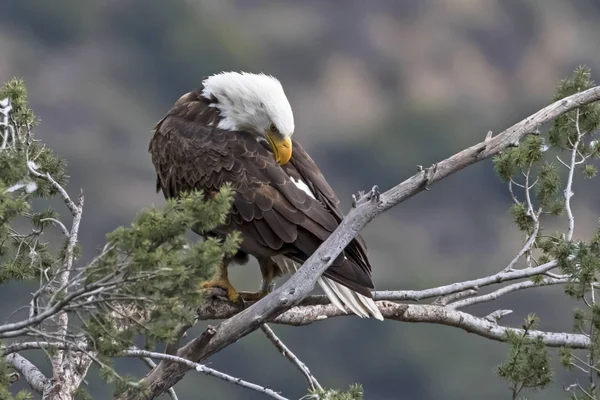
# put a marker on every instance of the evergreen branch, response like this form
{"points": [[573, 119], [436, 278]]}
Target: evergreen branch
{"points": [[67, 371], [367, 207], [287, 353]]}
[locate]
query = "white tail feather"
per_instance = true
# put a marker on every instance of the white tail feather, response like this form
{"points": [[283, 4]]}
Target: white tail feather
{"points": [[339, 295], [360, 305], [330, 293]]}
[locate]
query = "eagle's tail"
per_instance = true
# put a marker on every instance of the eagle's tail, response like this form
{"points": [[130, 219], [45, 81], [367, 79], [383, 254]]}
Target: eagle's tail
{"points": [[340, 295]]}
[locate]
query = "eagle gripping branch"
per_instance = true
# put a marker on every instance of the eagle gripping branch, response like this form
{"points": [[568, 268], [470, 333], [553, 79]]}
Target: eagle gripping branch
{"points": [[291, 293]]}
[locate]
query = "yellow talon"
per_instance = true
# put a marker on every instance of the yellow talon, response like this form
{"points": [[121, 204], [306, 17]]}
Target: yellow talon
{"points": [[221, 281], [252, 296], [224, 284]]}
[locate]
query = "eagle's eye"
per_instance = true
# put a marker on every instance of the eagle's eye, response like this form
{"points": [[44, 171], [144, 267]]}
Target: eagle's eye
{"points": [[273, 128]]}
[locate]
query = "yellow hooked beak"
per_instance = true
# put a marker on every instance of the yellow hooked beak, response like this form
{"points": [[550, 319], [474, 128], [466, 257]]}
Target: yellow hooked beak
{"points": [[282, 147]]}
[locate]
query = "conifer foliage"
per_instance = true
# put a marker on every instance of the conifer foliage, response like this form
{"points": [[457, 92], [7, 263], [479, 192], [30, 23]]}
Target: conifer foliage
{"points": [[145, 281], [541, 174]]}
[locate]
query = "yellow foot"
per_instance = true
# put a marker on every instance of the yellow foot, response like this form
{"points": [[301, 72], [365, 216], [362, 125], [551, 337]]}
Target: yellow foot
{"points": [[253, 296], [224, 284]]}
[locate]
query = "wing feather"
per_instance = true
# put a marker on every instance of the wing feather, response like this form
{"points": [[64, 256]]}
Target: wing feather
{"points": [[357, 268]]}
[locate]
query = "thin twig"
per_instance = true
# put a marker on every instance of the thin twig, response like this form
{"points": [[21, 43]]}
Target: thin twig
{"points": [[532, 214], [442, 301], [511, 191], [461, 286], [507, 289], [205, 370], [32, 167], [569, 189], [55, 221], [287, 353], [529, 243], [562, 162]]}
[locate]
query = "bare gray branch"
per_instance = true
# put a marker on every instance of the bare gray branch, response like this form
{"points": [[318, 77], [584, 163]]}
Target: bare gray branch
{"points": [[34, 377]]}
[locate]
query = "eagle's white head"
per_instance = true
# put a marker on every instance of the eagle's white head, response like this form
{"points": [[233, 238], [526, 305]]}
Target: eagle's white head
{"points": [[255, 103]]}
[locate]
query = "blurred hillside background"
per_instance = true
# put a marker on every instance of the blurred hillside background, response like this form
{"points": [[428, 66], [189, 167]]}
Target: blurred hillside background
{"points": [[377, 87]]}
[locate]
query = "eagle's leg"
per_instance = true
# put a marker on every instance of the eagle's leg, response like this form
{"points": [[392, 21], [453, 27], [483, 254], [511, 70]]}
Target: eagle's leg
{"points": [[269, 271], [221, 280]]}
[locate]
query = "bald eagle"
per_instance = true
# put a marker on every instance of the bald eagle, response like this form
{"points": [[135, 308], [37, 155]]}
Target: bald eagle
{"points": [[237, 128]]}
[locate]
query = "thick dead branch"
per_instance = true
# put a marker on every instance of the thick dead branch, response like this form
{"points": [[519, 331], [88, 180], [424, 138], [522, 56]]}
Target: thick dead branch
{"points": [[367, 208], [426, 313], [417, 313], [33, 376]]}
